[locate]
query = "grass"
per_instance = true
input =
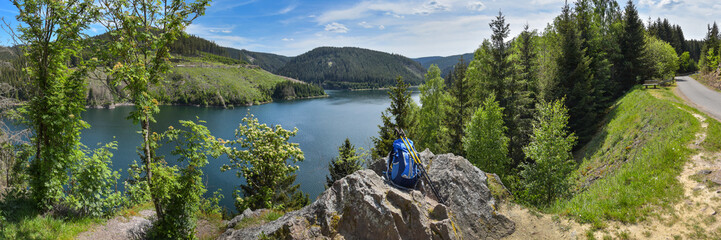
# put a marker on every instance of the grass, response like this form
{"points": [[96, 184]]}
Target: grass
{"points": [[24, 221], [634, 160], [215, 86], [713, 136]]}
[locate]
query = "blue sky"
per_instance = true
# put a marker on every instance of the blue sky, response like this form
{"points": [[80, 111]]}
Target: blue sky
{"points": [[414, 28]]}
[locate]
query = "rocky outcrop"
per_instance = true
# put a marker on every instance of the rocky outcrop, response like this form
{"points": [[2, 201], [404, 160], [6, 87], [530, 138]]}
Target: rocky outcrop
{"points": [[364, 206]]}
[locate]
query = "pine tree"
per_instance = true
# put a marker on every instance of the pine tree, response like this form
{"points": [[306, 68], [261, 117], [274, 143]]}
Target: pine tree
{"points": [[523, 96], [710, 52], [485, 143], [490, 69], [573, 80], [631, 45], [459, 107], [347, 162], [401, 110], [430, 132]]}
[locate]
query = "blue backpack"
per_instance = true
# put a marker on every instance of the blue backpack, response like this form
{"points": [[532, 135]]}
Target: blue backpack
{"points": [[401, 169]]}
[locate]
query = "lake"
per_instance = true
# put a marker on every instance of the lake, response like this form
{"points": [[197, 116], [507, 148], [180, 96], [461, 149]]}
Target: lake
{"points": [[323, 124]]}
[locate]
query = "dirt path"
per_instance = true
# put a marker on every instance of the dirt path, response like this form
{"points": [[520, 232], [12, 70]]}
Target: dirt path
{"points": [[120, 228], [134, 227], [695, 217]]}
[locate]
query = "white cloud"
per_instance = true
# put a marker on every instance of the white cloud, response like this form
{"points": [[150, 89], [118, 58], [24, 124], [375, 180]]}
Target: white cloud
{"points": [[288, 39], [381, 27], [432, 7], [287, 9], [365, 24], [336, 28], [476, 6], [395, 15]]}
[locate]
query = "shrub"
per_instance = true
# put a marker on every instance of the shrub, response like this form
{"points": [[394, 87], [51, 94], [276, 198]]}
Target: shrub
{"points": [[92, 183], [264, 163], [177, 191]]}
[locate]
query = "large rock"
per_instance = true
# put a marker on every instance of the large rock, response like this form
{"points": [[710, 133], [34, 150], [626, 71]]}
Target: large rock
{"points": [[364, 206]]}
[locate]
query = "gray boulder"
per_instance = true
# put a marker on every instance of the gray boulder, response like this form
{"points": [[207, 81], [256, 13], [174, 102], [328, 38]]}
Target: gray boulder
{"points": [[364, 206]]}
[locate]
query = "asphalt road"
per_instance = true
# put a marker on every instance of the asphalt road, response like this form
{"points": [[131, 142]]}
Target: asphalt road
{"points": [[706, 99]]}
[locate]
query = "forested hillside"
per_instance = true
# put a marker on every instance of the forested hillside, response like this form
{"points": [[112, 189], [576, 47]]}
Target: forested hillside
{"points": [[202, 73], [268, 61], [444, 63], [349, 67]]}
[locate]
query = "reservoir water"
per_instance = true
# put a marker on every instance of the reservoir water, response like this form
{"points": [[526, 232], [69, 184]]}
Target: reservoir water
{"points": [[322, 124]]}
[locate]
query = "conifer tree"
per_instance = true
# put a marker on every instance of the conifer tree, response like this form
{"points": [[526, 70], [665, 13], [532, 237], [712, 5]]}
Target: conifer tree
{"points": [[631, 45], [710, 52], [398, 115], [347, 162], [430, 132], [523, 97], [459, 107], [573, 80]]}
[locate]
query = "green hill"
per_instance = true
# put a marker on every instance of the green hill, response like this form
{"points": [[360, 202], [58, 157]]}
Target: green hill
{"points": [[355, 68]]}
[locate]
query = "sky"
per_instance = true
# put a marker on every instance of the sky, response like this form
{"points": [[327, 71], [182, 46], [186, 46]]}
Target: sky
{"points": [[413, 28]]}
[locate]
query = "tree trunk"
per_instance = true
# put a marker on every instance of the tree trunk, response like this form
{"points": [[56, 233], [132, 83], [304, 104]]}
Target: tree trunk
{"points": [[148, 160]]}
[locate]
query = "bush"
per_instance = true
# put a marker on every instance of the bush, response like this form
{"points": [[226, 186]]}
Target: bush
{"points": [[177, 192], [93, 182], [264, 163], [136, 186]]}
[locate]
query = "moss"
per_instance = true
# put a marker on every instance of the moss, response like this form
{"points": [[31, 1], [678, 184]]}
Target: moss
{"points": [[497, 189], [334, 222]]}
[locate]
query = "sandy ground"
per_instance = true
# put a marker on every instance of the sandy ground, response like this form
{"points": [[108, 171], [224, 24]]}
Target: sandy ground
{"points": [[695, 217], [122, 228], [118, 228]]}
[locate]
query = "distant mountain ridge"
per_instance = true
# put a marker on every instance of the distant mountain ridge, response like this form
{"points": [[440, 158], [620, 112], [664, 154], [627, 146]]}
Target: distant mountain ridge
{"points": [[352, 68], [444, 63]]}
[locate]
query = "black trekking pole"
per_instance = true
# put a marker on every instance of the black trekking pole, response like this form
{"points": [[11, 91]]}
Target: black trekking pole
{"points": [[417, 159]]}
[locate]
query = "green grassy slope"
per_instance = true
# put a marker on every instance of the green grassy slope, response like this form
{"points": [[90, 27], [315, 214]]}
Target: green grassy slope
{"points": [[217, 86], [629, 168]]}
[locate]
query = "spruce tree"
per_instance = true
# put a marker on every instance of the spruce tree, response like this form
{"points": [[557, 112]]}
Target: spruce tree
{"points": [[573, 80], [523, 95], [401, 111], [631, 44], [710, 50], [347, 162], [459, 108]]}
